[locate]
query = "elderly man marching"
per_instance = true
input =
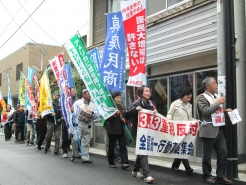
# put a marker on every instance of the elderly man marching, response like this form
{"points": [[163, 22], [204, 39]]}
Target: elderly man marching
{"points": [[85, 112], [211, 114]]}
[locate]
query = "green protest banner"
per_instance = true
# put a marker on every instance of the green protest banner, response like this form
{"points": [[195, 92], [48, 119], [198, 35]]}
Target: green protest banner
{"points": [[89, 74]]}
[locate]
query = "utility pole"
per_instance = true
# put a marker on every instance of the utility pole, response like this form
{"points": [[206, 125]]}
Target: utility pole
{"points": [[239, 11], [42, 56], [231, 99], [227, 77]]}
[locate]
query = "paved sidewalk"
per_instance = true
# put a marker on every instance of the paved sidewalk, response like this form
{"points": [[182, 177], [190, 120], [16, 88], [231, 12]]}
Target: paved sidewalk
{"points": [[168, 163]]}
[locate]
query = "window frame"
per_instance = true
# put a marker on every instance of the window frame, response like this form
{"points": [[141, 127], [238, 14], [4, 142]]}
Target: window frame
{"points": [[110, 4], [18, 72]]}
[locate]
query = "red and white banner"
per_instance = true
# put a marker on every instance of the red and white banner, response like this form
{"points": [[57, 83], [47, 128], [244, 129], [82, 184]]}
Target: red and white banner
{"points": [[35, 78], [158, 136], [36, 86], [56, 65], [134, 17]]}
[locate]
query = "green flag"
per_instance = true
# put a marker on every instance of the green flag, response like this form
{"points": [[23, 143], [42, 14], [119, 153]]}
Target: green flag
{"points": [[22, 90], [89, 74]]}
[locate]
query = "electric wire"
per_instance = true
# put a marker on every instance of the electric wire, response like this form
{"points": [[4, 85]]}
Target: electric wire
{"points": [[22, 23], [39, 25], [16, 22], [11, 19]]}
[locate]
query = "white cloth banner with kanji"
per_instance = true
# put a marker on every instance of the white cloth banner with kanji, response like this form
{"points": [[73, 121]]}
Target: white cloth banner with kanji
{"points": [[158, 136]]}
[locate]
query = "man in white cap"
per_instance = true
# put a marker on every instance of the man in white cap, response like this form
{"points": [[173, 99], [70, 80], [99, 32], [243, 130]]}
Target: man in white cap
{"points": [[85, 112]]}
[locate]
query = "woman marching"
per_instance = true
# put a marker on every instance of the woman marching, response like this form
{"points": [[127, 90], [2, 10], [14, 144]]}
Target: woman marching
{"points": [[8, 124], [181, 110], [132, 114], [114, 126]]}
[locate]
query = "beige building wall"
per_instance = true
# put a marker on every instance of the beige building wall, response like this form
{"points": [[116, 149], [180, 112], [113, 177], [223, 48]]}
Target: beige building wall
{"points": [[30, 55]]}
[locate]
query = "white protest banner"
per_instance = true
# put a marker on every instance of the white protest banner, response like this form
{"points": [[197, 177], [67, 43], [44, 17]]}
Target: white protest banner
{"points": [[56, 65], [158, 136]]}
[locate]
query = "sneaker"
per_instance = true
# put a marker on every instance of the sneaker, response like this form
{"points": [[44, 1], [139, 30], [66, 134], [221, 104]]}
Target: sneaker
{"points": [[40, 148], [139, 175], [124, 166], [64, 155], [22, 142], [72, 158], [112, 166], [149, 179], [189, 171]]}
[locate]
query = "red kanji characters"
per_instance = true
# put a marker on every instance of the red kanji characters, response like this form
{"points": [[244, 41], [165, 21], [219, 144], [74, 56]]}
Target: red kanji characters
{"points": [[181, 128], [193, 129], [171, 129], [164, 127]]}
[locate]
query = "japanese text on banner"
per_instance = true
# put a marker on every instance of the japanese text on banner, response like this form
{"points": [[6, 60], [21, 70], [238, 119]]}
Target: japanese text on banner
{"points": [[96, 58], [90, 76], [30, 73], [45, 106], [158, 136], [66, 111], [113, 62], [56, 65], [134, 17]]}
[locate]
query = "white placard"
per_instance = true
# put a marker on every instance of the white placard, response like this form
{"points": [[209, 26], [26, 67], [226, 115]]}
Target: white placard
{"points": [[234, 116]]}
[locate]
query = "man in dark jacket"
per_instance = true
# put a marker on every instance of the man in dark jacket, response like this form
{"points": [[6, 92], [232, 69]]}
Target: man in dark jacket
{"points": [[19, 122], [54, 125], [132, 113]]}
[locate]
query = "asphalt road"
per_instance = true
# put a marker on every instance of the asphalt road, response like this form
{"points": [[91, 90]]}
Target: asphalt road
{"points": [[26, 165]]}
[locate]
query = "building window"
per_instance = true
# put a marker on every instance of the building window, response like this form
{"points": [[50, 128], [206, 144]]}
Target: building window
{"points": [[173, 2], [18, 69], [115, 5], [0, 79], [10, 72], [153, 6]]}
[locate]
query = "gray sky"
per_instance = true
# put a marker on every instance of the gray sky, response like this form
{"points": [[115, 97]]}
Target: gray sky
{"points": [[60, 19]]}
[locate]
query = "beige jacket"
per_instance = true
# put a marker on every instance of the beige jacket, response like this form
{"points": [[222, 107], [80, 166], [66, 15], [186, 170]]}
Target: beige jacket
{"points": [[180, 112]]}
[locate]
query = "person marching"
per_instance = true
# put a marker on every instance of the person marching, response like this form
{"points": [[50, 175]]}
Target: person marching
{"points": [[65, 136], [41, 129], [209, 103], [181, 110], [85, 112], [19, 122], [8, 124], [52, 126], [132, 114], [30, 128], [115, 133]]}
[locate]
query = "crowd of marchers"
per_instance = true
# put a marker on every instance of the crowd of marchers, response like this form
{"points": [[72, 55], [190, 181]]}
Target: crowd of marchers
{"points": [[39, 130]]}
